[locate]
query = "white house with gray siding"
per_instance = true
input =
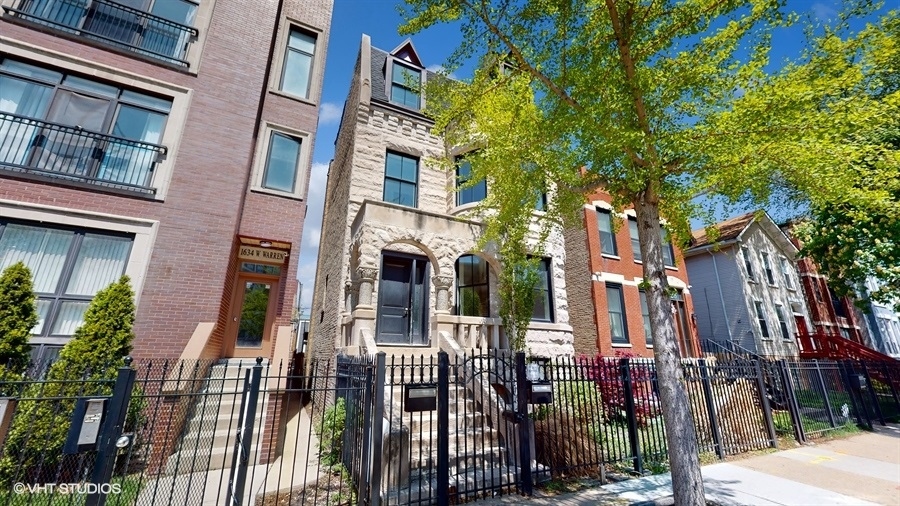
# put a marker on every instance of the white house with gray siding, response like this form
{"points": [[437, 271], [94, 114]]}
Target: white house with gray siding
{"points": [[745, 286]]}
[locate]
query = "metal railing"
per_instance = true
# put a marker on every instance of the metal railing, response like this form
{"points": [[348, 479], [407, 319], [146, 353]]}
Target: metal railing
{"points": [[41, 147], [113, 23]]}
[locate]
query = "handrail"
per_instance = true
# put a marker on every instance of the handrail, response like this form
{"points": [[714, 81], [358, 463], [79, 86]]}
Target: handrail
{"points": [[834, 346], [44, 147], [114, 23]]}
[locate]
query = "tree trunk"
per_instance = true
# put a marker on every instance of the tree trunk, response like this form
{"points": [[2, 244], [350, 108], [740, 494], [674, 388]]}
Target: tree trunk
{"points": [[684, 462]]}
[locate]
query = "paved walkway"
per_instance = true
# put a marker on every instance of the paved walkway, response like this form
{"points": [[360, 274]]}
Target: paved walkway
{"points": [[860, 470]]}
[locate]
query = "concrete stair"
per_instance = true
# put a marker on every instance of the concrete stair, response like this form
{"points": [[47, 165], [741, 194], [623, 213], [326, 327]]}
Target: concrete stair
{"points": [[208, 438]]}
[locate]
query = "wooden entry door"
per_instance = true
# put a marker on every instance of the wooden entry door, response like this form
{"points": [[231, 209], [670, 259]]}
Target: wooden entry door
{"points": [[252, 316]]}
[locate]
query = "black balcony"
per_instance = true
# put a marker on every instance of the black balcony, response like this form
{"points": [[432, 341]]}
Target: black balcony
{"points": [[114, 24], [32, 146]]}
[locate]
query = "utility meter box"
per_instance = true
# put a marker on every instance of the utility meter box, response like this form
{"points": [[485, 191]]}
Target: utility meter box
{"points": [[419, 397], [540, 392], [86, 423]]}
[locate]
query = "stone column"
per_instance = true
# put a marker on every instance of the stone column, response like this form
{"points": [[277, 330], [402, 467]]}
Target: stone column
{"points": [[442, 286], [366, 286]]}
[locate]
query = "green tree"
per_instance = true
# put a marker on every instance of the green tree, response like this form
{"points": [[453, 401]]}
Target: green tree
{"points": [[18, 315], [657, 102], [34, 445]]}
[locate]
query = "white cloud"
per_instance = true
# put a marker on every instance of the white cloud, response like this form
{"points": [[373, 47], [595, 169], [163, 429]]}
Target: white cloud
{"points": [[312, 230], [439, 69], [329, 113], [824, 12]]}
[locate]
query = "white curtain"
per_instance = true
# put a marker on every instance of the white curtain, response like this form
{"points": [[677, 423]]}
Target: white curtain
{"points": [[24, 99], [101, 260], [43, 251], [125, 163], [69, 318]]}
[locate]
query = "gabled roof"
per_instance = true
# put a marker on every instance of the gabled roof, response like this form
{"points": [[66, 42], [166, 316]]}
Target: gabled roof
{"points": [[729, 230], [732, 230], [406, 51]]}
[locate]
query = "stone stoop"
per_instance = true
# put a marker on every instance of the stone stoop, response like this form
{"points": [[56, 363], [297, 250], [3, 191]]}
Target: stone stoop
{"points": [[208, 439]]}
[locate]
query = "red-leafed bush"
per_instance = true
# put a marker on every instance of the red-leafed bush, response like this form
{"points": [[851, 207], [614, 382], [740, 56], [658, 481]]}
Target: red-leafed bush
{"points": [[608, 373]]}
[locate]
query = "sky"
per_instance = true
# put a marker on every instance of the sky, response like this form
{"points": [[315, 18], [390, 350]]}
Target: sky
{"points": [[380, 19]]}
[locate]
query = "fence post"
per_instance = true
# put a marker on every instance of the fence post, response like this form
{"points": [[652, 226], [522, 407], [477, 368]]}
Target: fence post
{"points": [[874, 395], [711, 408], [377, 432], [112, 428], [764, 401], [363, 471], [791, 397], [824, 390], [443, 429], [522, 421], [241, 458], [889, 379], [630, 415]]}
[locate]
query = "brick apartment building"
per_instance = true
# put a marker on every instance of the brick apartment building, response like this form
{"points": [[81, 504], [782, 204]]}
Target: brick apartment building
{"points": [[169, 140], [828, 313], [607, 308]]}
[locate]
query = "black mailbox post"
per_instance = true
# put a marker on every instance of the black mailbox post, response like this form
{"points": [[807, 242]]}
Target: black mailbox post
{"points": [[540, 392], [419, 397]]}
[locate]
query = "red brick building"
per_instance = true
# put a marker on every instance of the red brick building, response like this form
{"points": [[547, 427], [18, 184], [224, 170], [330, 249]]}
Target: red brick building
{"points": [[169, 140], [607, 309], [829, 313]]}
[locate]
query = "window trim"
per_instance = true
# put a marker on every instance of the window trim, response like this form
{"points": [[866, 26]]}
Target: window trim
{"points": [[318, 62], [263, 145], [761, 320], [389, 82], [645, 318], [767, 268], [460, 285], [459, 182], [748, 265], [634, 235], [175, 122], [418, 176], [782, 323], [612, 234], [786, 273], [143, 231], [547, 264], [621, 290]]}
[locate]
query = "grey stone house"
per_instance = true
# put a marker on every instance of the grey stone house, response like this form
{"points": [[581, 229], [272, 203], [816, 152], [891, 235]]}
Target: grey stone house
{"points": [[398, 250], [745, 286]]}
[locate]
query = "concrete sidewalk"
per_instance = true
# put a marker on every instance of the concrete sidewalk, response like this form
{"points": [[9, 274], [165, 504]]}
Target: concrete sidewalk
{"points": [[859, 470]]}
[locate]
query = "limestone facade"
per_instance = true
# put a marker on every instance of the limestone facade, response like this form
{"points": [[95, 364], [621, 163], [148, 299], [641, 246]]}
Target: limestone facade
{"points": [[359, 227]]}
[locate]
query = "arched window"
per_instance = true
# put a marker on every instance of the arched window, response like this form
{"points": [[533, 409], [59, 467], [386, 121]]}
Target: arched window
{"points": [[472, 292]]}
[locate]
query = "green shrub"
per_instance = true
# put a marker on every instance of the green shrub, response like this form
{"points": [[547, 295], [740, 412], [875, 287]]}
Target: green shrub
{"points": [[331, 433], [18, 315], [33, 449], [783, 423]]}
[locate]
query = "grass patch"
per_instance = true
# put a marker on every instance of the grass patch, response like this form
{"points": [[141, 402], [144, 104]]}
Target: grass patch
{"points": [[127, 488]]}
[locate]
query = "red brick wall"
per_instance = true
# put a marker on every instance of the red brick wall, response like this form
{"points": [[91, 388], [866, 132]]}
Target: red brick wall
{"points": [[189, 273], [626, 266]]}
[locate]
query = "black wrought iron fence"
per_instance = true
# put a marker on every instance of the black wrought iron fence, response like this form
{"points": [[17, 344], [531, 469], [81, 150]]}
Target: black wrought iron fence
{"points": [[113, 23], [42, 147]]}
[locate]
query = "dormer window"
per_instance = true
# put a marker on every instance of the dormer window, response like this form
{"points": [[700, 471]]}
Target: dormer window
{"points": [[403, 82]]}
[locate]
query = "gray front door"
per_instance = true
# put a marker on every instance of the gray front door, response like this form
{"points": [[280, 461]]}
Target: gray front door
{"points": [[402, 299]]}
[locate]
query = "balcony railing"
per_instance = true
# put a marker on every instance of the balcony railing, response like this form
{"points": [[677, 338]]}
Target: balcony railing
{"points": [[39, 147], [113, 23]]}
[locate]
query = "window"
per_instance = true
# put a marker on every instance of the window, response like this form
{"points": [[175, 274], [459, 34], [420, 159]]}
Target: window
{"points": [[635, 240], [543, 310], [770, 277], [475, 193], [282, 163], [785, 333], [761, 317], [64, 124], [786, 274], [615, 304], [747, 265], [540, 202], [472, 293], [68, 266], [160, 29], [607, 238], [837, 304], [667, 250], [403, 79], [401, 176], [296, 73], [645, 313]]}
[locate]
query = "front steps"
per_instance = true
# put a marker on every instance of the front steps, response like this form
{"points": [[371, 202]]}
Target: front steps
{"points": [[208, 438]]}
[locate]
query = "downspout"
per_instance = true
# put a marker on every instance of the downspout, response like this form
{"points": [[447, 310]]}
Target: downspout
{"points": [[721, 296]]}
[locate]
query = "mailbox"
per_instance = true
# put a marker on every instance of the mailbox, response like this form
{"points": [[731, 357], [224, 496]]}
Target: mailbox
{"points": [[86, 422], [540, 392], [419, 397]]}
